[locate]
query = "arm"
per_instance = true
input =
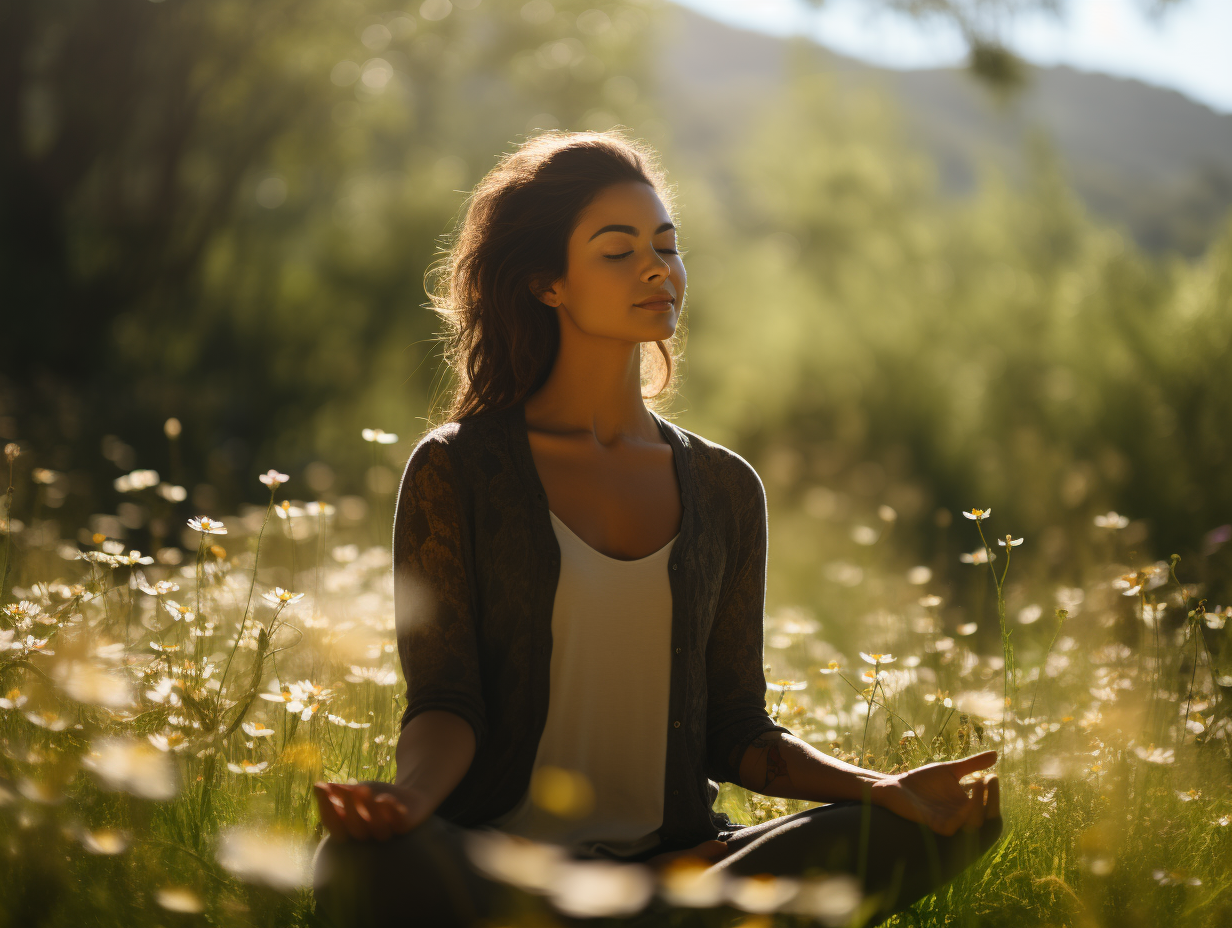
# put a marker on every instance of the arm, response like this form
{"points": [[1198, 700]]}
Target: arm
{"points": [[782, 765], [778, 764], [735, 681], [434, 752], [444, 718]]}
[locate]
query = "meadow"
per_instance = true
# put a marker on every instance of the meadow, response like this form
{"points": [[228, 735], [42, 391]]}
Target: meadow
{"points": [[163, 715]]}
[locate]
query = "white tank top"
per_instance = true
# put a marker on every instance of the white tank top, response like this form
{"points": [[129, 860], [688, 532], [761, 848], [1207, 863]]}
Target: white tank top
{"points": [[607, 702]]}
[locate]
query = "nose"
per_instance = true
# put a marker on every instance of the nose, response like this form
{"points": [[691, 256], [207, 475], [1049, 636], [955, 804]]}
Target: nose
{"points": [[656, 269]]}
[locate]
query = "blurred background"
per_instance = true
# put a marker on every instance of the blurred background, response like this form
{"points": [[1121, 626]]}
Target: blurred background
{"points": [[941, 254]]}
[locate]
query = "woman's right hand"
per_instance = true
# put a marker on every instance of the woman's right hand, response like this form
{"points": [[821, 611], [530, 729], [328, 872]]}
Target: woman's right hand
{"points": [[352, 811]]}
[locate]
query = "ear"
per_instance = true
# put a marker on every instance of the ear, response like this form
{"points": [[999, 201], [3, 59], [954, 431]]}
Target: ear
{"points": [[549, 295]]}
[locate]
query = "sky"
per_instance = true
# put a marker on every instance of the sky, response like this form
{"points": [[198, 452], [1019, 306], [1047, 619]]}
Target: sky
{"points": [[1188, 49]]}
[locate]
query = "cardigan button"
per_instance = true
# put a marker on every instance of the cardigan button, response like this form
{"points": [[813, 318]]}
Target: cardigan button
{"points": [[673, 567], [678, 650], [676, 724], [675, 792]]}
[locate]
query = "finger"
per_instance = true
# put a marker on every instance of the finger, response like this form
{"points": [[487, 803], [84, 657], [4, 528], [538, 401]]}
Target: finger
{"points": [[356, 827], [393, 813], [979, 793], [329, 812], [992, 807], [378, 824], [960, 768]]}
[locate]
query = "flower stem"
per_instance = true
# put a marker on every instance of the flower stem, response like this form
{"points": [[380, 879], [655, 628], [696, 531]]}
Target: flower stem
{"points": [[251, 588]]}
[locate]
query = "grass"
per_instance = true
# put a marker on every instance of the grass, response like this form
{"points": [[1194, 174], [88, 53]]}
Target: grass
{"points": [[162, 719]]}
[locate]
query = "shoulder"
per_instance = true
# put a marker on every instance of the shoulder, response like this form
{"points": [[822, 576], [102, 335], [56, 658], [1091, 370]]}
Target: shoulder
{"points": [[719, 470], [444, 454]]}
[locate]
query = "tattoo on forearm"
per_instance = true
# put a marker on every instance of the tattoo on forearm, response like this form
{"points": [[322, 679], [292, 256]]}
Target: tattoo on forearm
{"points": [[776, 766]]}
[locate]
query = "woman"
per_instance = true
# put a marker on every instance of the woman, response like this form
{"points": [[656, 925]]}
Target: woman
{"points": [[580, 584]]}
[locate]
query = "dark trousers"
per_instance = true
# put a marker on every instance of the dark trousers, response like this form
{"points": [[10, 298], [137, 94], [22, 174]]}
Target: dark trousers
{"points": [[424, 877]]}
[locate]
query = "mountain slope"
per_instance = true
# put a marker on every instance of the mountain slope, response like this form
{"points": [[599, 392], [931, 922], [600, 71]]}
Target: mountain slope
{"points": [[1140, 156]]}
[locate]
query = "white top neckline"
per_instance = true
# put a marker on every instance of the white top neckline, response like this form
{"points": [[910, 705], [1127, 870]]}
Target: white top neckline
{"points": [[607, 557]]}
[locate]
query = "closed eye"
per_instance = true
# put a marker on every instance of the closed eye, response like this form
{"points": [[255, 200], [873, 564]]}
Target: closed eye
{"points": [[666, 251]]}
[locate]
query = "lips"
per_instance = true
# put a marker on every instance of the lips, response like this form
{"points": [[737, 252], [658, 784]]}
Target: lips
{"points": [[659, 301]]}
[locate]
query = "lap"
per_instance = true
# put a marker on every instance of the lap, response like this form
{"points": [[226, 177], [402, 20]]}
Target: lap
{"points": [[900, 859], [422, 877]]}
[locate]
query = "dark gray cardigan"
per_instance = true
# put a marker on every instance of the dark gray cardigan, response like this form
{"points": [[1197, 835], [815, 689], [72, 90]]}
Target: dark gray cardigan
{"points": [[476, 564]]}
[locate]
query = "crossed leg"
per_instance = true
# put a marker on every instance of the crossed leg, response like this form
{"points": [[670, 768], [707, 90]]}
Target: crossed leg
{"points": [[895, 859]]}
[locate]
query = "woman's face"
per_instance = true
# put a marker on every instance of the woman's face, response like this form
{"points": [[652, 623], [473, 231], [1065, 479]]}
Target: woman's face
{"points": [[624, 278]]}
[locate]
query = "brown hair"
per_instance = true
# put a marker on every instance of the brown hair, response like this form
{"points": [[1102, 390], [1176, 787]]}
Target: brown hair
{"points": [[500, 340]]}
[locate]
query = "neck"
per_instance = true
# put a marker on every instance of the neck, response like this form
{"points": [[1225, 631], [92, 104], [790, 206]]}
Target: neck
{"points": [[595, 386]]}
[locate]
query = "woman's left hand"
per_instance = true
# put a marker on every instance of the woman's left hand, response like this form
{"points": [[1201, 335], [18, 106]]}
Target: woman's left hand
{"points": [[933, 795]]}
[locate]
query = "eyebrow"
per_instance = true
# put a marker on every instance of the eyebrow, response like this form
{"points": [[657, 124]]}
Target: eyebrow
{"points": [[629, 230]]}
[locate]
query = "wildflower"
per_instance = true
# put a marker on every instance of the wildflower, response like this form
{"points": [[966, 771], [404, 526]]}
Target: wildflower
{"points": [[127, 765], [248, 767], [978, 556], [273, 479], [133, 558], [978, 514], [345, 554], [280, 597], [171, 493], [257, 730], [831, 667], [178, 612], [878, 658], [137, 480], [1154, 755], [380, 436], [44, 476], [1009, 541], [316, 509], [1112, 520], [1223, 821], [1028, 615], [1175, 878], [161, 588], [171, 741], [13, 699], [378, 675], [786, 686], [12, 451], [285, 510], [48, 719], [761, 893], [162, 692], [179, 899], [23, 612], [1188, 795], [106, 841], [687, 882], [207, 526], [303, 698], [981, 703], [344, 723], [279, 861]]}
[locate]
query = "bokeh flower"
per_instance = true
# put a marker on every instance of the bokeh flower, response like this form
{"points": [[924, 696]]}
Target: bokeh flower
{"points": [[207, 526]]}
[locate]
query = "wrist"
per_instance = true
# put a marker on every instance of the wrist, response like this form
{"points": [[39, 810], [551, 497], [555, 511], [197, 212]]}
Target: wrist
{"points": [[879, 790]]}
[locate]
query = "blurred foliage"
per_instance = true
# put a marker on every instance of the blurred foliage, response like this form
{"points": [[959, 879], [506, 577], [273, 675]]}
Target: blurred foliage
{"points": [[222, 212], [858, 336]]}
